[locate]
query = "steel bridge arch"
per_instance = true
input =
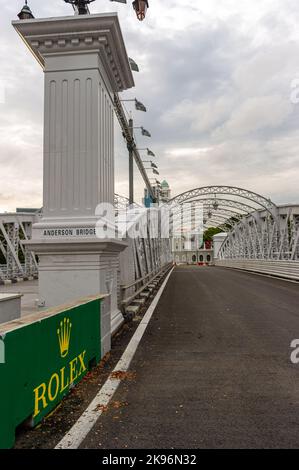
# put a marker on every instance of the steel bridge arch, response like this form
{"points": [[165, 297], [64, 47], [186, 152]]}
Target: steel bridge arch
{"points": [[254, 225], [260, 201], [237, 203], [241, 206], [222, 209]]}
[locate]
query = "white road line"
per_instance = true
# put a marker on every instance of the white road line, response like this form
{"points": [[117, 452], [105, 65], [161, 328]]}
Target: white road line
{"points": [[76, 435]]}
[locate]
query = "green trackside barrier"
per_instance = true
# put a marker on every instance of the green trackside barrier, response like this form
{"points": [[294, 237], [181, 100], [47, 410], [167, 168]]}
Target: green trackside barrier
{"points": [[45, 354]]}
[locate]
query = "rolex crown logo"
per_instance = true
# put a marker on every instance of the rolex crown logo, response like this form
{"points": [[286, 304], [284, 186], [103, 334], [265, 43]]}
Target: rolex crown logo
{"points": [[64, 335]]}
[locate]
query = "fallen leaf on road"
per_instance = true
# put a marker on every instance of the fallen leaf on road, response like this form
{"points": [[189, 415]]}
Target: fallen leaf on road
{"points": [[102, 408], [121, 375], [119, 404]]}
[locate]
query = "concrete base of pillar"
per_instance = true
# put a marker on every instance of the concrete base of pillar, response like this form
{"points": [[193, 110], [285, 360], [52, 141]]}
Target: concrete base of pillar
{"points": [[116, 320], [106, 325], [70, 269]]}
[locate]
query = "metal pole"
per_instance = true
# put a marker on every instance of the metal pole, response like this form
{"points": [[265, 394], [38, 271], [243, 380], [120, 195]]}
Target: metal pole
{"points": [[125, 128], [131, 164]]}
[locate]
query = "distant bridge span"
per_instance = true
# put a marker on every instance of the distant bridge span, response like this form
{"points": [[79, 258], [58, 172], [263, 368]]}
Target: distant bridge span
{"points": [[261, 236]]}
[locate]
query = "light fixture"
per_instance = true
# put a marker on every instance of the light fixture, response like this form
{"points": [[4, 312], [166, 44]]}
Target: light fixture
{"points": [[80, 5], [140, 7], [26, 13], [215, 204]]}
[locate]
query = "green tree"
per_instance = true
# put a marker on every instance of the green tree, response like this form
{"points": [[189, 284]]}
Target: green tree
{"points": [[210, 232]]}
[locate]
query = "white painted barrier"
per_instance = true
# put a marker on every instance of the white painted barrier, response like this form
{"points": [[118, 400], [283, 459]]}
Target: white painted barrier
{"points": [[285, 269], [10, 307]]}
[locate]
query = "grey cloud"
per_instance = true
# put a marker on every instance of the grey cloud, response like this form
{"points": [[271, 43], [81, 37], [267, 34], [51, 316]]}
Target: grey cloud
{"points": [[217, 85]]}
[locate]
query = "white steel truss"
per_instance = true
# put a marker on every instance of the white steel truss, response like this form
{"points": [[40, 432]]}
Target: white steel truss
{"points": [[261, 236], [15, 261], [256, 227], [150, 254]]}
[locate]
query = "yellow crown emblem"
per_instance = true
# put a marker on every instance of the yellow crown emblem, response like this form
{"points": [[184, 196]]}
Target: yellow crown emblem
{"points": [[64, 336]]}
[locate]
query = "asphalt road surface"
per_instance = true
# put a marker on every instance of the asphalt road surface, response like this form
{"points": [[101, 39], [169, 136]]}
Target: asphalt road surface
{"points": [[213, 369]]}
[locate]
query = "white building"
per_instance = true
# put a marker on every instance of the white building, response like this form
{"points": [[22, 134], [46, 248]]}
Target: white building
{"points": [[188, 251]]}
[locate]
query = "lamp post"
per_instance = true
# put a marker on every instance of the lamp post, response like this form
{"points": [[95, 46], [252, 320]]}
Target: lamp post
{"points": [[131, 145]]}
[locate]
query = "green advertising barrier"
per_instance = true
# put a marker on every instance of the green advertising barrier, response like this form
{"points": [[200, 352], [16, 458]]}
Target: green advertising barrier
{"points": [[45, 354]]}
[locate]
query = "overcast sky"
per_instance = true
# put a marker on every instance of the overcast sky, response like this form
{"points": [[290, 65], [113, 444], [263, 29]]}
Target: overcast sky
{"points": [[216, 77]]}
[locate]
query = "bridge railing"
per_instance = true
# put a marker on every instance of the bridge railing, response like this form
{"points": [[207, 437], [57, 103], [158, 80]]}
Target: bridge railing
{"points": [[285, 269], [140, 285]]}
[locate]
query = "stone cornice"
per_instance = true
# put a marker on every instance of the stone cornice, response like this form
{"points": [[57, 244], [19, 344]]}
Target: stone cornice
{"points": [[83, 245], [80, 34]]}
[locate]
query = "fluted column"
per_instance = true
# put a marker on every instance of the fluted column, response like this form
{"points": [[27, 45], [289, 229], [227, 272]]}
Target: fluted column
{"points": [[84, 61]]}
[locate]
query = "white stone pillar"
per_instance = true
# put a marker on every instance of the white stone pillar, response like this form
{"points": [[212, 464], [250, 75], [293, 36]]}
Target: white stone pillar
{"points": [[85, 62]]}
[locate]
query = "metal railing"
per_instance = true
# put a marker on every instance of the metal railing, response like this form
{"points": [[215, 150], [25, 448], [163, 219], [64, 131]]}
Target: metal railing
{"points": [[5, 273], [285, 269], [143, 282]]}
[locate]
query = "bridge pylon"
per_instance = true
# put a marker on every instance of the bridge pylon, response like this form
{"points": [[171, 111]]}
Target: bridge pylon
{"points": [[85, 63]]}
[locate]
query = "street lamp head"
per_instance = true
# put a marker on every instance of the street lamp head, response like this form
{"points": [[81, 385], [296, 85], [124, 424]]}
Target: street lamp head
{"points": [[153, 165], [140, 6], [81, 5], [25, 13], [215, 203], [155, 172]]}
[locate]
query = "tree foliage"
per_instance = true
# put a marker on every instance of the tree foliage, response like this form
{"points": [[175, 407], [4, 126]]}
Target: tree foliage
{"points": [[210, 232]]}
